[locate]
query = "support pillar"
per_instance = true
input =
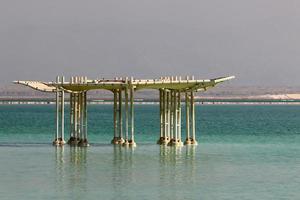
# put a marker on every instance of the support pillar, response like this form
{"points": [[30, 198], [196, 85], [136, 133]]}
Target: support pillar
{"points": [[171, 120], [56, 139], [115, 110], [71, 115], [132, 141], [120, 139], [83, 120], [187, 113], [176, 119], [193, 141], [80, 119], [126, 142], [62, 136], [78, 116], [72, 121], [168, 115], [60, 99], [161, 117], [175, 115], [165, 118], [76, 119], [179, 142]]}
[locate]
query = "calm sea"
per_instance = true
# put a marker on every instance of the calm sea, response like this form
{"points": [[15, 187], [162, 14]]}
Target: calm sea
{"points": [[244, 152]]}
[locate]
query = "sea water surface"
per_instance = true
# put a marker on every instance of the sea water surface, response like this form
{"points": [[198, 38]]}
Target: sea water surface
{"points": [[244, 152]]}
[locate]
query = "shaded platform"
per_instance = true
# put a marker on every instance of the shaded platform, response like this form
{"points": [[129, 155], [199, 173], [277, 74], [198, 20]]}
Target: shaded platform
{"points": [[172, 92]]}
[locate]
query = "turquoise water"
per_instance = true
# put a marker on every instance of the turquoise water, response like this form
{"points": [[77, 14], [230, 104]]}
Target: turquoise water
{"points": [[244, 152]]}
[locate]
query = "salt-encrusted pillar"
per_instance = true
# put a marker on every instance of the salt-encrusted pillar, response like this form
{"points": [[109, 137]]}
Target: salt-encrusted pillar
{"points": [[72, 130], [168, 115], [171, 121], [166, 137], [161, 117], [193, 141], [62, 136], [179, 142], [132, 141], [126, 143], [115, 110], [174, 119], [56, 139], [121, 139], [187, 114], [83, 120]]}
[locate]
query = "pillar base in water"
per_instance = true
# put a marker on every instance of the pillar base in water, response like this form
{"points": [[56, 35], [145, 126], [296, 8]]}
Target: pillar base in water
{"points": [[187, 141], [114, 140], [163, 141], [83, 143], [117, 140], [73, 141], [190, 141], [177, 143], [160, 140], [126, 143], [194, 142], [129, 143], [132, 143], [58, 142]]}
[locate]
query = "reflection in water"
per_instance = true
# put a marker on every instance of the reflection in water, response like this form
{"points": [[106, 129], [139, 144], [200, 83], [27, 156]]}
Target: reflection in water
{"points": [[175, 169], [191, 163], [59, 169], [170, 155], [78, 171], [122, 172], [78, 155], [71, 171]]}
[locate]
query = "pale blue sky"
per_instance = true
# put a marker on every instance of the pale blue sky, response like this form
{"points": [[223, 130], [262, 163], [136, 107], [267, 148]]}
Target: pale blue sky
{"points": [[256, 40]]}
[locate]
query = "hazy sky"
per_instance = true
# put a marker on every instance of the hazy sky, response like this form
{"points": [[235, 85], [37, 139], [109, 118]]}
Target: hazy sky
{"points": [[256, 40]]}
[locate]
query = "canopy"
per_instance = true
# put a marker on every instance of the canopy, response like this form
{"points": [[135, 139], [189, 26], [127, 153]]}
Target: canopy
{"points": [[172, 83]]}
